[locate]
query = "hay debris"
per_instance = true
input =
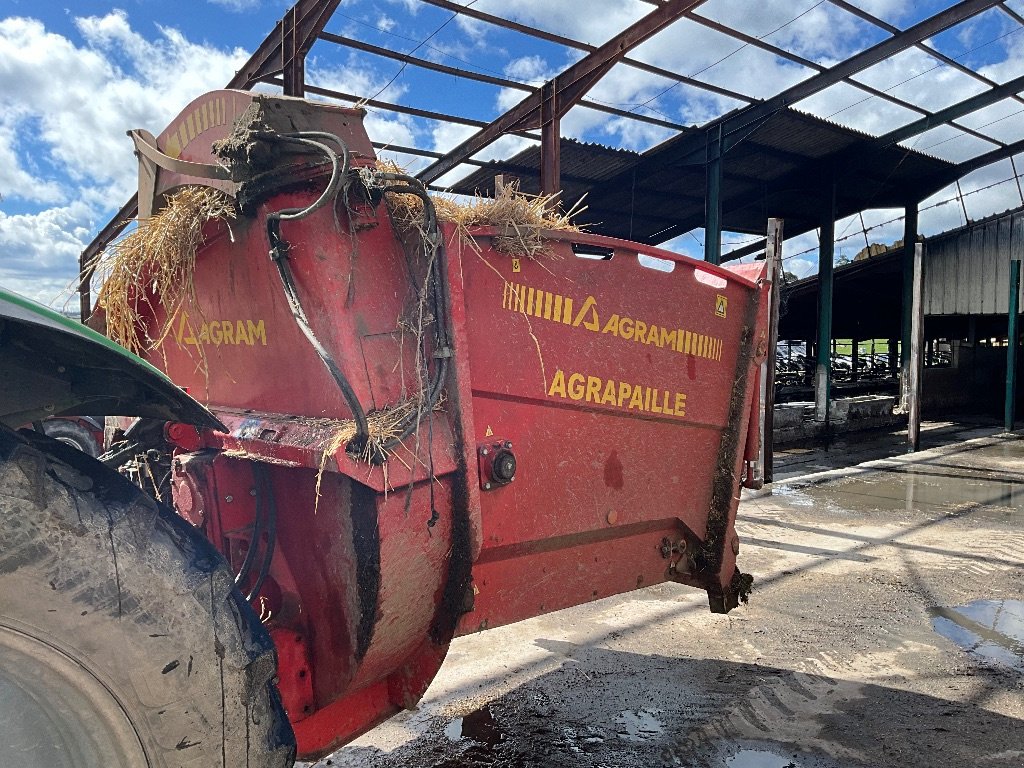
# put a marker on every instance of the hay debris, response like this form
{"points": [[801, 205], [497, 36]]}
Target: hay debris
{"points": [[157, 261], [522, 217], [383, 424]]}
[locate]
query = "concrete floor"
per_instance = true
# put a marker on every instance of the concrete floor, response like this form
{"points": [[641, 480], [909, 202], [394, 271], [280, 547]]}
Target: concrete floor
{"points": [[886, 629]]}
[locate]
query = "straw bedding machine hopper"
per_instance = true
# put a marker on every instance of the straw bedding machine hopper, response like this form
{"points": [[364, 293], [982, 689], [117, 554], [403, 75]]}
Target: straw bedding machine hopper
{"points": [[419, 430]]}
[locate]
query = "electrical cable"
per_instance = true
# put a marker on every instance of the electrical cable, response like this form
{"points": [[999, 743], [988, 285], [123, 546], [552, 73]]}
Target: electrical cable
{"points": [[434, 246], [279, 248]]}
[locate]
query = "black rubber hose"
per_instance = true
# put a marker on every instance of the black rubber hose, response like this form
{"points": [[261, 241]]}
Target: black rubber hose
{"points": [[257, 531], [279, 253], [268, 552]]}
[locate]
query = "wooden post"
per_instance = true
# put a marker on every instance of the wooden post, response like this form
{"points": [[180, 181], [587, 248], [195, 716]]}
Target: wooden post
{"points": [[1012, 338], [915, 368], [773, 256]]}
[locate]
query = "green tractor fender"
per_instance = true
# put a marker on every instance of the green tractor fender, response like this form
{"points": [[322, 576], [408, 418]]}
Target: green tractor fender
{"points": [[54, 366]]}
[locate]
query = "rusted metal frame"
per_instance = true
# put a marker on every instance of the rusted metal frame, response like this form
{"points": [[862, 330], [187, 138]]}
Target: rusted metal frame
{"points": [[989, 157], [400, 109], [569, 86], [745, 120], [87, 259], [293, 58], [857, 63], [782, 53], [961, 108], [490, 79], [550, 141], [569, 42], [306, 19], [1011, 13], [924, 47], [511, 168]]}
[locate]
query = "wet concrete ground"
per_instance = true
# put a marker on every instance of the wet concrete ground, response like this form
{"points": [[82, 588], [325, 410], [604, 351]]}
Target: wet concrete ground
{"points": [[886, 629]]}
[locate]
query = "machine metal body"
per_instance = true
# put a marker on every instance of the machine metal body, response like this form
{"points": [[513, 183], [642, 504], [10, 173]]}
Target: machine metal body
{"points": [[591, 438]]}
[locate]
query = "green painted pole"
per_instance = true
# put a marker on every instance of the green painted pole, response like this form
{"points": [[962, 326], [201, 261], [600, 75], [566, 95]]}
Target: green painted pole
{"points": [[909, 239], [1012, 337], [713, 202], [826, 256]]}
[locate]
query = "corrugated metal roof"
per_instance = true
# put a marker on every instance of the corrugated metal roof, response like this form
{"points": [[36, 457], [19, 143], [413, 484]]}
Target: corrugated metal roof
{"points": [[780, 168]]}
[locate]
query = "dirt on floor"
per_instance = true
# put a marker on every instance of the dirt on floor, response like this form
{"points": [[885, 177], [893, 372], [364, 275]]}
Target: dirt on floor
{"points": [[886, 628]]}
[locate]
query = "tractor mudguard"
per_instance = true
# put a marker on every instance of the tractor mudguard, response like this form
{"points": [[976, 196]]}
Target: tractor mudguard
{"points": [[53, 365]]}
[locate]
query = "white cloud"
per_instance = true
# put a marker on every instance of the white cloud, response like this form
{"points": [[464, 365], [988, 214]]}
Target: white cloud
{"points": [[41, 250], [597, 23], [73, 102]]}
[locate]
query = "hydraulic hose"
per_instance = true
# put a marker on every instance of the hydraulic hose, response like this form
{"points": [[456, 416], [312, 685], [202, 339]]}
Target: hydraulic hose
{"points": [[434, 248]]}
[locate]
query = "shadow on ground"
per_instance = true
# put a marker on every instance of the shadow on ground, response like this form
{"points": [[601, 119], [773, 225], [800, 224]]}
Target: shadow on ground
{"points": [[609, 708]]}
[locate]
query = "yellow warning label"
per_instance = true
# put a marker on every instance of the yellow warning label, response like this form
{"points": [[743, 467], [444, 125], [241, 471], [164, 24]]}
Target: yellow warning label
{"points": [[489, 432], [721, 304], [563, 309], [517, 265]]}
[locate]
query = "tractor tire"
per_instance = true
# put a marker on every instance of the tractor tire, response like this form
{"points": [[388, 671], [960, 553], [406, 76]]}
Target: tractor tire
{"points": [[75, 435], [123, 641]]}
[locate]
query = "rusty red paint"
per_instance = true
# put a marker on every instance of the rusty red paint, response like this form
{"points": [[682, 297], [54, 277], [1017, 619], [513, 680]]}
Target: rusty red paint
{"points": [[624, 394]]}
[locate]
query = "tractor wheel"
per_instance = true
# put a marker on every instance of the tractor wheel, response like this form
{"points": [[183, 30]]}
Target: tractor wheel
{"points": [[123, 641], [72, 434]]}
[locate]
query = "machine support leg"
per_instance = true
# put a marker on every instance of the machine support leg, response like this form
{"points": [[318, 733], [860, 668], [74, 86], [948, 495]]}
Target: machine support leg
{"points": [[909, 239], [915, 367], [773, 256], [713, 204], [823, 367], [1012, 338]]}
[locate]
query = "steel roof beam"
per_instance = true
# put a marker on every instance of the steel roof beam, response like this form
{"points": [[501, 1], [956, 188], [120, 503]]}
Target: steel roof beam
{"points": [[757, 42], [300, 25], [291, 40], [490, 79], [945, 116], [751, 117], [565, 89], [924, 47], [967, 166], [403, 110], [569, 42]]}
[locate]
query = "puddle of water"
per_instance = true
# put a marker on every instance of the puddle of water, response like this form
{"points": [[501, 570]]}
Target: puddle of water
{"points": [[478, 726], [913, 489], [759, 758], [992, 631], [641, 725]]}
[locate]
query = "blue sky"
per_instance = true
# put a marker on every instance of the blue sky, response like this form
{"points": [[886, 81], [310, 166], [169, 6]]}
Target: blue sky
{"points": [[76, 76]]}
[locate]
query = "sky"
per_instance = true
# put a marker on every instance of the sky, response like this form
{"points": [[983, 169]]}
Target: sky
{"points": [[76, 76]]}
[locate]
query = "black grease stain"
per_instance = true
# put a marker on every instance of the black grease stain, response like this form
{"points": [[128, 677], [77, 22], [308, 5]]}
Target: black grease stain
{"points": [[613, 471]]}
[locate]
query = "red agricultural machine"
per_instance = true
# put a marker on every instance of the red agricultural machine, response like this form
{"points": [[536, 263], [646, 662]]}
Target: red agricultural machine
{"points": [[417, 432]]}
